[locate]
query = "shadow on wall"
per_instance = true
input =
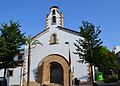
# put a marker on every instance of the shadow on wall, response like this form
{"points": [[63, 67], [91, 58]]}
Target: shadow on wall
{"points": [[83, 77], [39, 74], [76, 82], [35, 73]]}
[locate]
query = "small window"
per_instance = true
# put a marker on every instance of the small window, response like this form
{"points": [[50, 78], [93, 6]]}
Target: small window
{"points": [[10, 72], [53, 13], [53, 20], [54, 38]]}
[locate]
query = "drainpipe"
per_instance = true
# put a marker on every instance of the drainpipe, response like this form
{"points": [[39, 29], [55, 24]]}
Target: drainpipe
{"points": [[69, 69]]}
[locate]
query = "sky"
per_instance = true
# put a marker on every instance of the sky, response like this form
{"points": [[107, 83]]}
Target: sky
{"points": [[31, 15]]}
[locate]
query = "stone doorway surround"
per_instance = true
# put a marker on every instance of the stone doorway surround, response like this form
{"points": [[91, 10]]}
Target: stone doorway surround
{"points": [[43, 74]]}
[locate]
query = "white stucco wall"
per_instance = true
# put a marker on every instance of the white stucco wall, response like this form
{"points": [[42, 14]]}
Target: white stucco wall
{"points": [[40, 52], [16, 78], [116, 49], [1, 72]]}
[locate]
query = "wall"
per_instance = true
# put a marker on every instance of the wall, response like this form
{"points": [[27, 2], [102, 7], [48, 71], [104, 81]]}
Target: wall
{"points": [[16, 79], [39, 52]]}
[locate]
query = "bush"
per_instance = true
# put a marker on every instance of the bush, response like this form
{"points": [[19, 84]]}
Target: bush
{"points": [[112, 78]]}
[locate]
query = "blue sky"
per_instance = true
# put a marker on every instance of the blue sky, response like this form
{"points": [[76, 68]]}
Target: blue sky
{"points": [[32, 13]]}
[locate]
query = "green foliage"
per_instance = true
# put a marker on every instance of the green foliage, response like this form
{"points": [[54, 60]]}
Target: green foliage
{"points": [[31, 41], [11, 40], [108, 59], [111, 61], [108, 65], [112, 78], [87, 46], [101, 55]]}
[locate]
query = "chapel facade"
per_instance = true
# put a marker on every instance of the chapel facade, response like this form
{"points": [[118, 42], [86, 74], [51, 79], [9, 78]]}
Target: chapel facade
{"points": [[53, 63]]}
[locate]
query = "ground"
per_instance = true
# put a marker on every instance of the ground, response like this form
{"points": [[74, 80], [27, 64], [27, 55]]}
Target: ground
{"points": [[104, 84]]}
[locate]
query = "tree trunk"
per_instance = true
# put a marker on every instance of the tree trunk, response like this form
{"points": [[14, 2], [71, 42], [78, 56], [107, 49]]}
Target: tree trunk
{"points": [[4, 79], [29, 59], [92, 80]]}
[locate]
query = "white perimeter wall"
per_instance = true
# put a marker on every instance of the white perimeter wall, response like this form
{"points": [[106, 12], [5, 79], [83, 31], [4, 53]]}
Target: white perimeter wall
{"points": [[16, 78]]}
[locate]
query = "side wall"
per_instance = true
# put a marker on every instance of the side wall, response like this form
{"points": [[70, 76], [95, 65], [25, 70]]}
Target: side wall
{"points": [[16, 78]]}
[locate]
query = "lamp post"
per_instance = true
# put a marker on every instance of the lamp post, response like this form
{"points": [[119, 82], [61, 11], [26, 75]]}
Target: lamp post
{"points": [[69, 69]]}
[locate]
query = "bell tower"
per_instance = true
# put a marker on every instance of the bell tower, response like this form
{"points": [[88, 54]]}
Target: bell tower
{"points": [[54, 17]]}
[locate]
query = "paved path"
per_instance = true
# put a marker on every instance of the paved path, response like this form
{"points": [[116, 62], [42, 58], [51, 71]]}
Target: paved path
{"points": [[104, 84], [109, 84], [86, 85]]}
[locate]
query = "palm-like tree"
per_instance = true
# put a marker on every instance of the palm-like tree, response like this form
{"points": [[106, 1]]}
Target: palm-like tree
{"points": [[30, 41]]}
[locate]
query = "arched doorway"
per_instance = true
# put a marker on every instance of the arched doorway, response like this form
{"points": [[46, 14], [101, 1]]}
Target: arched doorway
{"points": [[53, 71], [56, 73]]}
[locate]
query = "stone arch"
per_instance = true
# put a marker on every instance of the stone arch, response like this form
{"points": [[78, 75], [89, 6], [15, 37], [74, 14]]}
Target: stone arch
{"points": [[44, 70]]}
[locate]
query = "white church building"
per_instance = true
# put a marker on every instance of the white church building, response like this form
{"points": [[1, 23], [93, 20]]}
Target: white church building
{"points": [[53, 63]]}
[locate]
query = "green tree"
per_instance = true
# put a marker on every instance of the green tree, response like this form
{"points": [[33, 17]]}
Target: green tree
{"points": [[106, 61], [11, 40], [101, 56], [111, 62], [87, 46]]}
